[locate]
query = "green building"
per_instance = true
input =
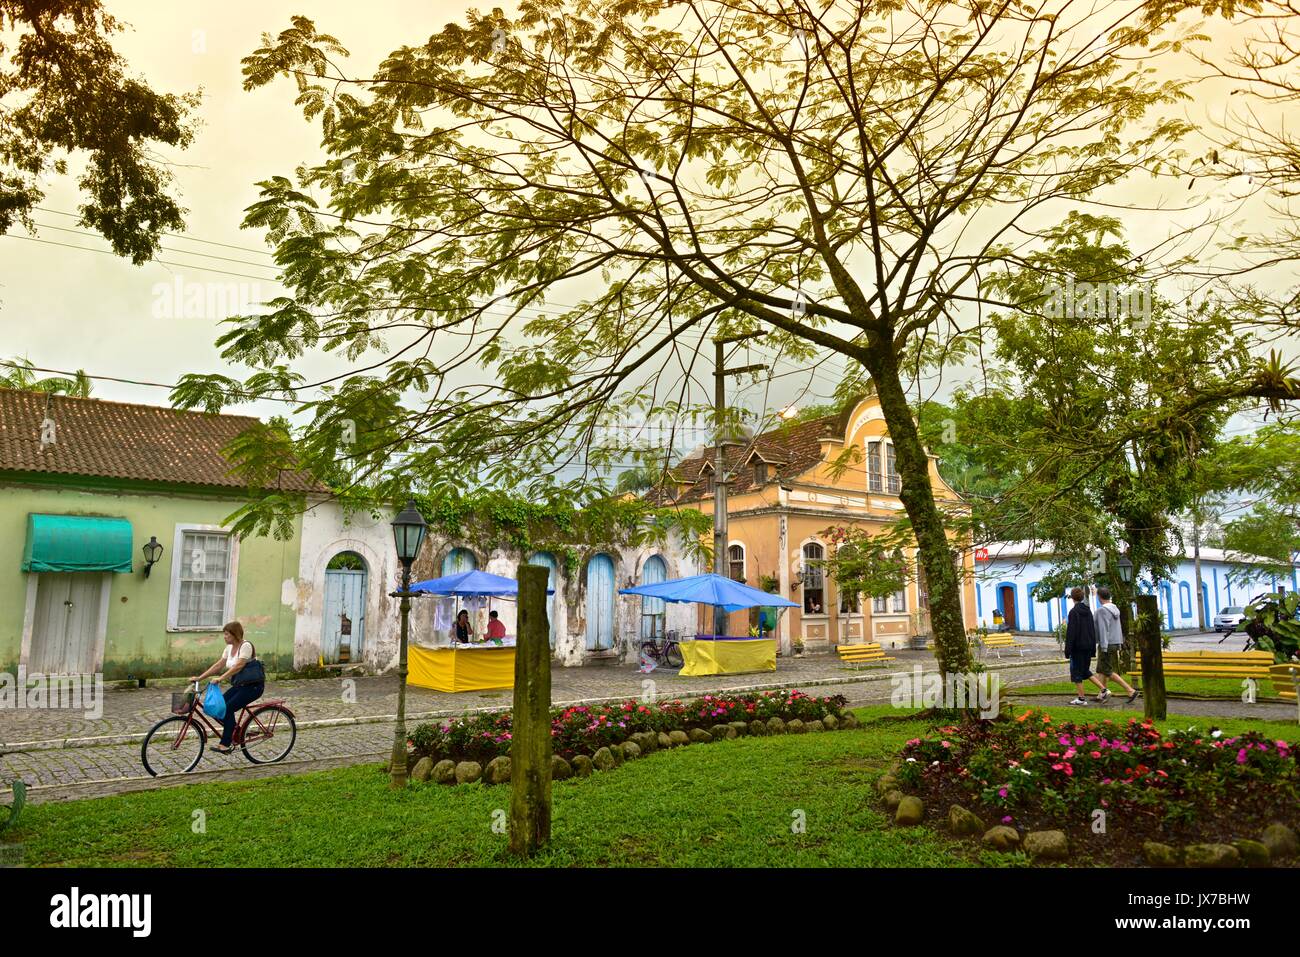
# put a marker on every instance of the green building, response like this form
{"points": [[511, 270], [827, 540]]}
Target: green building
{"points": [[113, 554]]}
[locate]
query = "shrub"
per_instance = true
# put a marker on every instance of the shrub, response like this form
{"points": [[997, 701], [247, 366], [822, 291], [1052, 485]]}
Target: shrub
{"points": [[584, 729]]}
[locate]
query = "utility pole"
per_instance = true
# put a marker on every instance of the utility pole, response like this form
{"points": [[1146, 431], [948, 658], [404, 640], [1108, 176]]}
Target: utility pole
{"points": [[1196, 561], [720, 539]]}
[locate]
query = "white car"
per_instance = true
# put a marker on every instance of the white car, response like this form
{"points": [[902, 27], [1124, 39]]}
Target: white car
{"points": [[1229, 619]]}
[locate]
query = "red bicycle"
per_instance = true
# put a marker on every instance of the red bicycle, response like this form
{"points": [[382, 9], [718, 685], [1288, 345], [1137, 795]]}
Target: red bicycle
{"points": [[265, 732]]}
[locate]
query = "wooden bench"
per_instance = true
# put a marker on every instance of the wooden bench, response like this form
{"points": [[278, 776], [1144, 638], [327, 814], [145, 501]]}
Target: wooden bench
{"points": [[998, 642], [1284, 679], [868, 653], [1212, 664]]}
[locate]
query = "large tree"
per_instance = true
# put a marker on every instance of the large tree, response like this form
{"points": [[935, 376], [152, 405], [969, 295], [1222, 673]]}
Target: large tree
{"points": [[1106, 403], [65, 93], [835, 175]]}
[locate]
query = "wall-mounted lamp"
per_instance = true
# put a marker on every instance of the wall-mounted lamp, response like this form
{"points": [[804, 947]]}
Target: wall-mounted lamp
{"points": [[152, 552]]}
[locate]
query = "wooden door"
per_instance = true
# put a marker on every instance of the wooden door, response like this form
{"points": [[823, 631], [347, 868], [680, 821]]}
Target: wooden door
{"points": [[66, 625], [600, 603]]}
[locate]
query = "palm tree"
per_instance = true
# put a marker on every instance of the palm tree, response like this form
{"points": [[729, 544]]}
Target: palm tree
{"points": [[21, 374]]}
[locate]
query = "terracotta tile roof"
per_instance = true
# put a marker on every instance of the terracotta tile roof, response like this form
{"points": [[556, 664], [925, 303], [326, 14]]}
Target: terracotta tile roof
{"points": [[119, 440], [791, 450]]}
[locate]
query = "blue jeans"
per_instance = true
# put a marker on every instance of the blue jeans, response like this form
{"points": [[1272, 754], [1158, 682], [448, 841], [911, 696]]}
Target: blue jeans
{"points": [[236, 697]]}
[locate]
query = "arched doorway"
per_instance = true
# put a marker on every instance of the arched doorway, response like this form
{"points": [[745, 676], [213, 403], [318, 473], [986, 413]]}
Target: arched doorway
{"points": [[653, 610], [458, 560], [547, 560], [600, 603], [1007, 602], [344, 626]]}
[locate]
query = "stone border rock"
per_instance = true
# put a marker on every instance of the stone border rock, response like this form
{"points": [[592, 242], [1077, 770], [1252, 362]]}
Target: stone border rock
{"points": [[638, 745], [1278, 841]]}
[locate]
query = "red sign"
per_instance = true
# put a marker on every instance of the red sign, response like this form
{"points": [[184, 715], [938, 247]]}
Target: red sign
{"points": [[981, 554]]}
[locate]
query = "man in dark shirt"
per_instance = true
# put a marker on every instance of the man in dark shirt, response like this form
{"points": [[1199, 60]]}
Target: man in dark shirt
{"points": [[1081, 644]]}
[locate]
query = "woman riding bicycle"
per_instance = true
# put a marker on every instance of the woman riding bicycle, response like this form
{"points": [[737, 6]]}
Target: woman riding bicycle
{"points": [[238, 655]]}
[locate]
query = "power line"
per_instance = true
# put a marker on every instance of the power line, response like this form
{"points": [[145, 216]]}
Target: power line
{"points": [[183, 252], [161, 262], [192, 239]]}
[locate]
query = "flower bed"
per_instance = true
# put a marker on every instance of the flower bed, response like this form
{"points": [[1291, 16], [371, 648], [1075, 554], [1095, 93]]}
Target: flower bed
{"points": [[1030, 773], [585, 729]]}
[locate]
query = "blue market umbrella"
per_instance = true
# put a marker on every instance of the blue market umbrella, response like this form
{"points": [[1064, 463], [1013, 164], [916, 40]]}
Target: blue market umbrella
{"points": [[711, 590], [471, 584]]}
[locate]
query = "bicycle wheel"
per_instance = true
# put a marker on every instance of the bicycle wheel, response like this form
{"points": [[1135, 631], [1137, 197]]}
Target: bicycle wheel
{"points": [[651, 650], [673, 655], [269, 734], [172, 747]]}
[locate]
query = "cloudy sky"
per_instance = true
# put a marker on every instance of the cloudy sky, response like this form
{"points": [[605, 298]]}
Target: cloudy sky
{"points": [[65, 304]]}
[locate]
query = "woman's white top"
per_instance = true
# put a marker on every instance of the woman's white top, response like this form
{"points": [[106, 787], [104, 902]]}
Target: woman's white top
{"points": [[245, 651]]}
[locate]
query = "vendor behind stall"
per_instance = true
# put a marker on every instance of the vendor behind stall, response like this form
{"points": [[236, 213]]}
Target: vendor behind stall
{"points": [[462, 631], [496, 629]]}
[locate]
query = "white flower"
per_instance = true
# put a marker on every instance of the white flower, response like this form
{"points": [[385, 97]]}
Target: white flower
{"points": [[911, 760], [1216, 733]]}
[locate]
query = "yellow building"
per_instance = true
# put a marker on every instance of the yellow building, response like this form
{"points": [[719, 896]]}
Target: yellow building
{"points": [[788, 487]]}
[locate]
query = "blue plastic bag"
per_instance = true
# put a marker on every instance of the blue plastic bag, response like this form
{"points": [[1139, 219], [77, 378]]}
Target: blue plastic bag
{"points": [[214, 703]]}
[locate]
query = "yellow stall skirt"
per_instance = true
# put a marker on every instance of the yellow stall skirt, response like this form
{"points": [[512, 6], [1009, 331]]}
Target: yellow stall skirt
{"points": [[461, 669], [704, 657]]}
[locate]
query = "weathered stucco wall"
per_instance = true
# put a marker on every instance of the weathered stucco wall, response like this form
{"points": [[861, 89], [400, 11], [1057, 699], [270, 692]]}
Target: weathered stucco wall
{"points": [[326, 532], [137, 642]]}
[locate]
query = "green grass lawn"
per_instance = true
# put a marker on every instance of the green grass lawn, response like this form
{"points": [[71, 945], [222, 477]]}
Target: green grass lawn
{"points": [[1227, 688], [728, 804]]}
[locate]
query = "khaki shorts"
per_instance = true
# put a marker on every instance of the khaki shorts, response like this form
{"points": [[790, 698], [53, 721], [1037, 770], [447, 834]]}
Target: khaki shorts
{"points": [[1107, 661]]}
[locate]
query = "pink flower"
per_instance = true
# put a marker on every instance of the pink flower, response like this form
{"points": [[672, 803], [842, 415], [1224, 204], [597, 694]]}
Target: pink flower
{"points": [[1002, 792], [1007, 819], [1241, 756]]}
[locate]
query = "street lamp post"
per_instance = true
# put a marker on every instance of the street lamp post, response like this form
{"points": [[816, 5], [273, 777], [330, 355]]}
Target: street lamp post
{"points": [[409, 528]]}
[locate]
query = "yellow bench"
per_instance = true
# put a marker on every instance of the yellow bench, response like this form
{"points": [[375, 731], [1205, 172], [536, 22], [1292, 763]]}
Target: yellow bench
{"points": [[1284, 678], [861, 654], [1212, 664], [998, 642]]}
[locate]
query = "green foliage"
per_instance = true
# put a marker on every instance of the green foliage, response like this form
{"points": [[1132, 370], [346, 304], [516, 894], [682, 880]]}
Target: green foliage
{"points": [[19, 787], [493, 518], [1273, 622], [21, 374], [863, 563], [64, 91], [1102, 420]]}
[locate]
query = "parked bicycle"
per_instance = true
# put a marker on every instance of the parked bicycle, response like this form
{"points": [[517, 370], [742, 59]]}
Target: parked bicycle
{"points": [[265, 732], [664, 650]]}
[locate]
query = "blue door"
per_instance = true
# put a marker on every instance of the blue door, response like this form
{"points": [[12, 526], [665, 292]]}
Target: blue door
{"points": [[343, 629], [1168, 594], [653, 610], [458, 560], [600, 603], [547, 560]]}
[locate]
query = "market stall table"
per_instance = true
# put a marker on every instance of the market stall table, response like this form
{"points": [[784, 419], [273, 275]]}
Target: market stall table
{"points": [[486, 667], [720, 655]]}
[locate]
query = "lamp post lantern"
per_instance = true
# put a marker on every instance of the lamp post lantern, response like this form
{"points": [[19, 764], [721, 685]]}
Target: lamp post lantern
{"points": [[152, 552], [409, 529], [1125, 568]]}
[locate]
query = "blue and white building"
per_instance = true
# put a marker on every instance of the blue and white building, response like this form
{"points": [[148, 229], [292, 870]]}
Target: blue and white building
{"points": [[1005, 582]]}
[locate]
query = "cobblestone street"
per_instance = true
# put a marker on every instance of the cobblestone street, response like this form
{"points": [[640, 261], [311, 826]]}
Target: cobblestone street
{"points": [[64, 755]]}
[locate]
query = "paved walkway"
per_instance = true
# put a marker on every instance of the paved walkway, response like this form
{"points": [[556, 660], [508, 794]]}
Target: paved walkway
{"points": [[65, 755]]}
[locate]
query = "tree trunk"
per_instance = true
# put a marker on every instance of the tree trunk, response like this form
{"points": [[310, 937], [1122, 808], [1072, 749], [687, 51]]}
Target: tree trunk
{"points": [[1153, 670], [530, 742], [1122, 595], [1196, 561], [397, 760], [951, 647]]}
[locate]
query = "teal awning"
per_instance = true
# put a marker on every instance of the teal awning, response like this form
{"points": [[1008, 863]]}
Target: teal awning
{"points": [[77, 543]]}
